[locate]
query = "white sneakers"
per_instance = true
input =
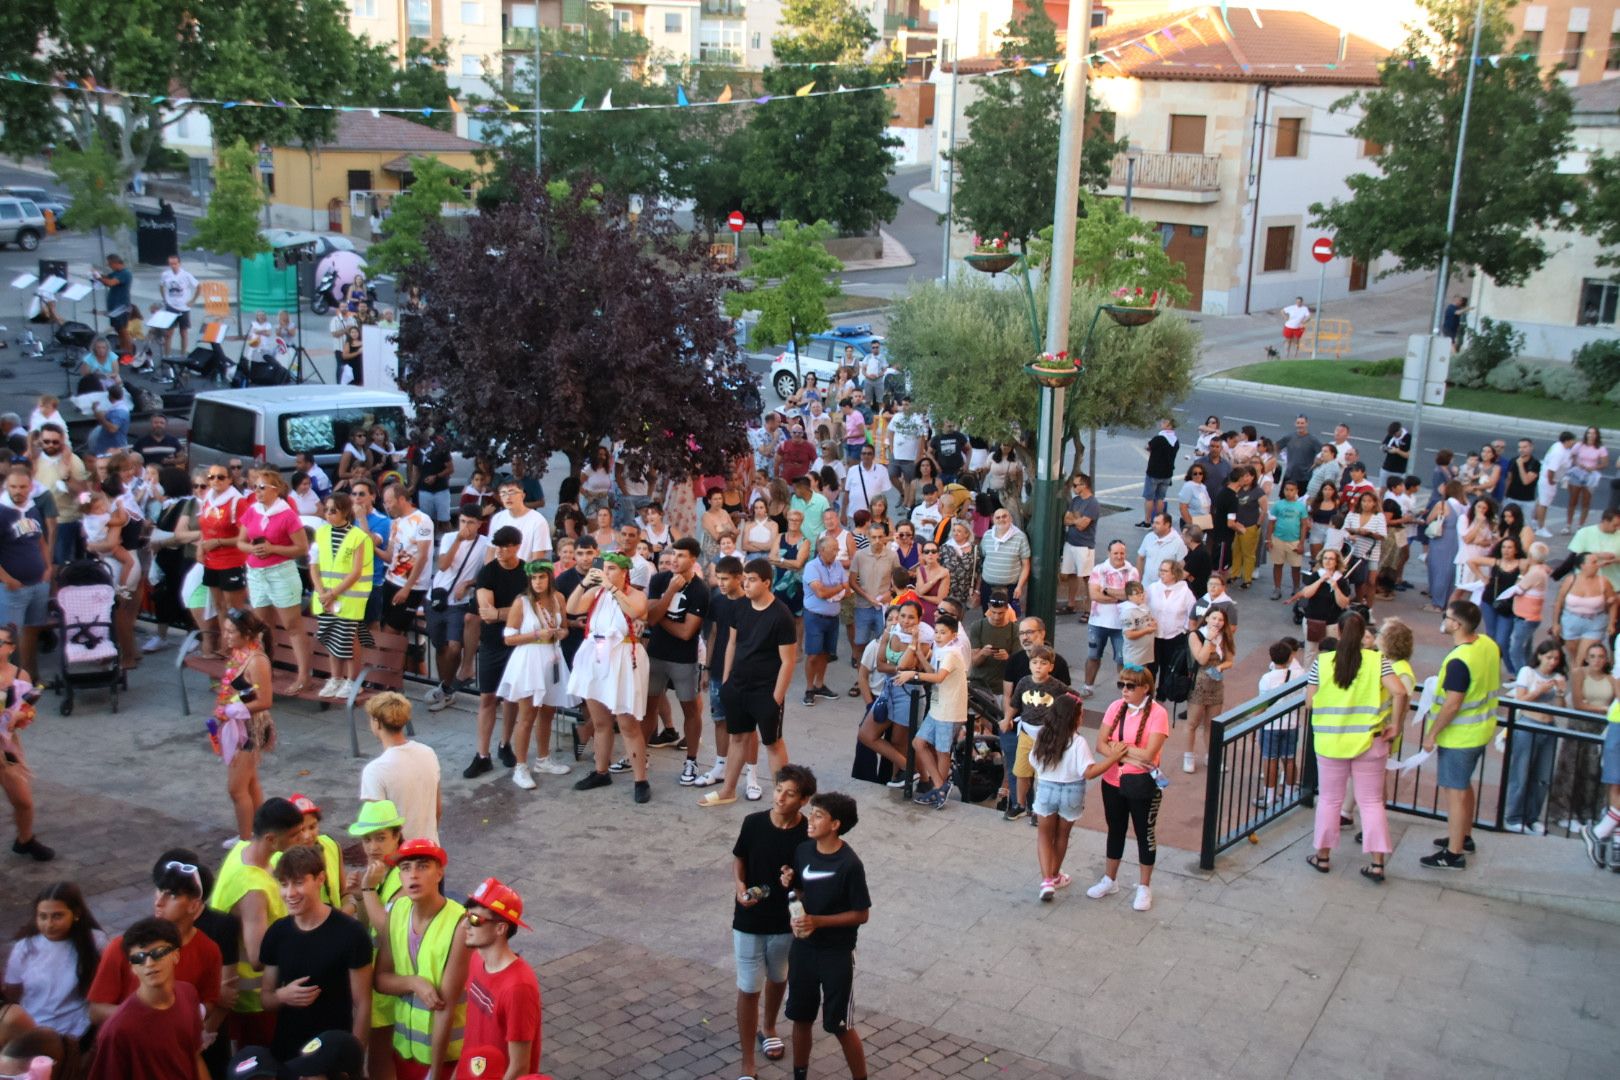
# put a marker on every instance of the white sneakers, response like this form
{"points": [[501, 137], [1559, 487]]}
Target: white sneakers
{"points": [[552, 767], [751, 789], [1106, 887], [1544, 532], [1187, 764], [1144, 898], [521, 777], [333, 687]]}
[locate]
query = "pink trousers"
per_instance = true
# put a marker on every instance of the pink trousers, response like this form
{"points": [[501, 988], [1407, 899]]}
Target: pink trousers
{"points": [[1333, 775]]}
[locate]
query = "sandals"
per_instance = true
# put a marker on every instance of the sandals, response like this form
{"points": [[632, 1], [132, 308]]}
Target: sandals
{"points": [[1374, 873], [714, 798], [772, 1047], [1320, 865]]}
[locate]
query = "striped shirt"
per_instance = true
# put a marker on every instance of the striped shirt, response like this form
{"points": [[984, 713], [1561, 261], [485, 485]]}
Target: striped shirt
{"points": [[1004, 556]]}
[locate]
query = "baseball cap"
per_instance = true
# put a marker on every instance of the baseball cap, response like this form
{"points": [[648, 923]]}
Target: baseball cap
{"points": [[251, 1061], [501, 900], [376, 816], [421, 848], [329, 1054], [481, 1062], [305, 804]]}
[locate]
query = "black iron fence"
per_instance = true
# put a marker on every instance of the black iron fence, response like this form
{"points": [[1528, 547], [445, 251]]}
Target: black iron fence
{"points": [[1540, 774]]}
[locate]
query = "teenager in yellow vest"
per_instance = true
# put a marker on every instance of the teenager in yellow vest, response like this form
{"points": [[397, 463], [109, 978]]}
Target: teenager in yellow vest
{"points": [[343, 573], [372, 892], [1461, 727], [244, 888], [423, 961], [331, 855], [1345, 693]]}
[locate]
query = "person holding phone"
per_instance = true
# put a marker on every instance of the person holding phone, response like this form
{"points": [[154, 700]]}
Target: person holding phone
{"points": [[242, 725]]}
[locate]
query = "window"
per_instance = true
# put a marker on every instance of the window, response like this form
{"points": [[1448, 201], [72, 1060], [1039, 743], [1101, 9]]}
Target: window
{"points": [[223, 429], [10, 211], [365, 9], [624, 20], [1287, 138], [1529, 44], [755, 45], [1598, 301], [359, 179], [1279, 248], [720, 43], [472, 13], [1574, 43], [1099, 17], [1612, 61], [472, 66], [1187, 134], [419, 17], [672, 22], [1371, 148], [327, 431]]}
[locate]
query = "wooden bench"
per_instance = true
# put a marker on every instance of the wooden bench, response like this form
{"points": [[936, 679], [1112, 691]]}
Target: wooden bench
{"points": [[382, 667]]}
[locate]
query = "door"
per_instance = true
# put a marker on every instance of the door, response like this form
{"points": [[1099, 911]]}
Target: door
{"points": [[1186, 245], [1358, 275]]}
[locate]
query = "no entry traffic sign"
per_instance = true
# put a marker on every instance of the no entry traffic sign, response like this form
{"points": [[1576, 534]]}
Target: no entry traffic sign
{"points": [[1322, 250], [735, 220]]}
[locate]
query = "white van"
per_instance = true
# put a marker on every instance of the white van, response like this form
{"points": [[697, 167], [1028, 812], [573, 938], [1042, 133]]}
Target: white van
{"points": [[272, 423]]}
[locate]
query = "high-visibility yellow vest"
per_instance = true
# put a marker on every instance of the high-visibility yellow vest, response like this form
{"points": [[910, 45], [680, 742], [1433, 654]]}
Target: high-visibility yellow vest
{"points": [[1404, 672], [1475, 722], [382, 1005], [331, 569], [1614, 711], [413, 1022], [235, 880], [332, 862], [1344, 719]]}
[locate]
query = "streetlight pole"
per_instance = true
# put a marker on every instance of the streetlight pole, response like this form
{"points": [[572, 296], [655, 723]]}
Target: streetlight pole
{"points": [[1045, 529], [1130, 179], [1451, 231], [950, 180], [537, 40]]}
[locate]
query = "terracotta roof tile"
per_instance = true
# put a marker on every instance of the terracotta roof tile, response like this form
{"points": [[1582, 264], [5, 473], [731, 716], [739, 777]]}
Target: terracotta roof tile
{"points": [[362, 131]]}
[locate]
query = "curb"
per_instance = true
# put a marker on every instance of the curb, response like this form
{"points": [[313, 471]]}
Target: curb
{"points": [[1513, 425]]}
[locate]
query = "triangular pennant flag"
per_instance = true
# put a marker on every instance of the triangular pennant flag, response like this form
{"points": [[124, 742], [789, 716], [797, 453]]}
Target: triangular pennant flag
{"points": [[762, 100], [725, 95], [455, 106], [680, 96], [426, 111], [842, 89], [1057, 68], [1038, 70], [578, 106], [607, 101], [511, 107], [376, 112], [804, 91]]}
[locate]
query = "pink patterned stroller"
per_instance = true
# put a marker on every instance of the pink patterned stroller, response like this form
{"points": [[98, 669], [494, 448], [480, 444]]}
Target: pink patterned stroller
{"points": [[84, 612]]}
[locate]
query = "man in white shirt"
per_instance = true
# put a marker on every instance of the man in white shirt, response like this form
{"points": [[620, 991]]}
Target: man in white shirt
{"points": [[865, 482], [1107, 583], [410, 547], [641, 570], [450, 597], [1553, 464], [906, 432], [1341, 444], [531, 523], [873, 365], [406, 773], [1295, 316], [1161, 542], [179, 288]]}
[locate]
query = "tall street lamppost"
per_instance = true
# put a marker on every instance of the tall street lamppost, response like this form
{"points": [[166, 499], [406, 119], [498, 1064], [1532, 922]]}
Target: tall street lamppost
{"points": [[1132, 156]]}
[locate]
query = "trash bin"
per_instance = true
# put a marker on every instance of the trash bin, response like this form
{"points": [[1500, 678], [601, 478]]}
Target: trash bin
{"points": [[156, 238], [264, 288]]}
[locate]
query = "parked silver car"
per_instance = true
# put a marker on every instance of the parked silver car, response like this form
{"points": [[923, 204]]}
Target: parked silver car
{"points": [[21, 223], [56, 204]]}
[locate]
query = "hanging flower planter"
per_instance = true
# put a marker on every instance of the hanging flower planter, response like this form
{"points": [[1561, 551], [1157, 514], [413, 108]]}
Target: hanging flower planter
{"points": [[991, 254], [1133, 308], [1053, 369]]}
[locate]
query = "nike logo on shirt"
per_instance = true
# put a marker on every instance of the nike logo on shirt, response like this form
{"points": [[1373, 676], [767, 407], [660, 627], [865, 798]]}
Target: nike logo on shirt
{"points": [[816, 875]]}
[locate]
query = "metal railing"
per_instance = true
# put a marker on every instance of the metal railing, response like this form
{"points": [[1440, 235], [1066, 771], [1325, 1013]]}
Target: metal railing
{"points": [[1176, 172], [1548, 768]]}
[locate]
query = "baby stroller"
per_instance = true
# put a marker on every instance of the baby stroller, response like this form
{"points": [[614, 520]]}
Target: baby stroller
{"points": [[83, 610]]}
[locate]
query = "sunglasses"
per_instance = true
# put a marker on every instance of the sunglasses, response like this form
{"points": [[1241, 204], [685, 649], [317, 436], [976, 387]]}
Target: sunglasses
{"points": [[50, 445], [219, 476], [1123, 685], [260, 487], [199, 485], [189, 870], [475, 920], [141, 956], [930, 551]]}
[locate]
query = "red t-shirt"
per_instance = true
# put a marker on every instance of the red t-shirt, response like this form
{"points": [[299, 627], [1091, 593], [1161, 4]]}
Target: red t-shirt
{"points": [[220, 523], [795, 457], [200, 964], [504, 1008], [143, 1043]]}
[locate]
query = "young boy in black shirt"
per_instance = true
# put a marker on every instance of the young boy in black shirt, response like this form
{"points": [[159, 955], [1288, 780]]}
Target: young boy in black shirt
{"points": [[831, 884]]}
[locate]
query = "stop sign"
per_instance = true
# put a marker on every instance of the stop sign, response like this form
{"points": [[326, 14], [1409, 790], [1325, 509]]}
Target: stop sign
{"points": [[1322, 250], [735, 220]]}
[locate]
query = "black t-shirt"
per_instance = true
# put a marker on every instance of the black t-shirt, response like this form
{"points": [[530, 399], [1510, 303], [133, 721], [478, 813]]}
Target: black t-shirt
{"points": [[1198, 568], [224, 930], [1394, 463], [567, 582], [760, 634], [951, 450], [324, 955], [21, 553], [1225, 502], [1517, 489], [1248, 507], [764, 850], [830, 885], [722, 613], [1161, 463], [156, 451], [1018, 668], [1033, 701], [692, 603], [1323, 605], [430, 461], [507, 585]]}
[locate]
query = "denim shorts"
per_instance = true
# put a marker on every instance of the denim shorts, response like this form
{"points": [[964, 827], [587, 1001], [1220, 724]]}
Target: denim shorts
{"points": [[1611, 753], [1279, 744], [1577, 627], [1455, 766], [1099, 637], [1155, 489], [897, 699], [760, 957], [27, 606], [1064, 800], [940, 734], [717, 711], [820, 635], [868, 625]]}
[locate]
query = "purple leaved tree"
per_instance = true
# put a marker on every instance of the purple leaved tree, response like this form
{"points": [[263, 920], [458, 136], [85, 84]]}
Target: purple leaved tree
{"points": [[552, 323]]}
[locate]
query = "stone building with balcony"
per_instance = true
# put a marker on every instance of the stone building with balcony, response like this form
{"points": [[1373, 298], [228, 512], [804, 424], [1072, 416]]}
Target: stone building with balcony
{"points": [[1232, 138]]}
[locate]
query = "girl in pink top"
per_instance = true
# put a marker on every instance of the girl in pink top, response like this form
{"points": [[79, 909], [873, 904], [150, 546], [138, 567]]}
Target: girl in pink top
{"points": [[1130, 788], [272, 534], [1587, 462]]}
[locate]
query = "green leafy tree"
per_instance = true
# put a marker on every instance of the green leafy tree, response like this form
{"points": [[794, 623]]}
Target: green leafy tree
{"points": [[403, 250], [1115, 250], [381, 80], [789, 273], [1598, 212], [231, 224], [93, 192], [1518, 130], [1009, 166], [816, 158]]}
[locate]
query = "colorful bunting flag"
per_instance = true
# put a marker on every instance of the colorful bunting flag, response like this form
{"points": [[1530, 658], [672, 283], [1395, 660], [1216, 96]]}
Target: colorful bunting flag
{"points": [[725, 96], [680, 96], [455, 106], [607, 101], [804, 91]]}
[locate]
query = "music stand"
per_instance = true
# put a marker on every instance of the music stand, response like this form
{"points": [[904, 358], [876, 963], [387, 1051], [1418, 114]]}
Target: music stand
{"points": [[76, 292]]}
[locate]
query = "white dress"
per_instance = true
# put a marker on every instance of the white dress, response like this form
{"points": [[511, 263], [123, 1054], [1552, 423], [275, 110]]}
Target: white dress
{"points": [[609, 667], [536, 671]]}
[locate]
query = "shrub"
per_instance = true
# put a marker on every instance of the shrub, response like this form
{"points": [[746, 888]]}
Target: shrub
{"points": [[1566, 384], [1395, 365], [1514, 377], [1599, 361], [1489, 347], [1613, 396]]}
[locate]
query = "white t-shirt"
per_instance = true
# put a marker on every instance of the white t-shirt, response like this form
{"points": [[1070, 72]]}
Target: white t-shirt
{"points": [[1071, 767], [1105, 613], [873, 365], [178, 288], [1154, 549], [950, 696], [1295, 316], [906, 429], [1274, 678], [1554, 463], [48, 972], [407, 532], [408, 776], [534, 527], [463, 568]]}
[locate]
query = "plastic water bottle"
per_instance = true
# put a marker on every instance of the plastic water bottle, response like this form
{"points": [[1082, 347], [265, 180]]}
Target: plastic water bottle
{"points": [[1159, 778], [758, 892], [795, 909]]}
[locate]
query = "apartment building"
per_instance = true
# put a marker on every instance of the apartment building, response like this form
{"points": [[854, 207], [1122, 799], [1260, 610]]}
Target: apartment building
{"points": [[471, 31], [1578, 40]]}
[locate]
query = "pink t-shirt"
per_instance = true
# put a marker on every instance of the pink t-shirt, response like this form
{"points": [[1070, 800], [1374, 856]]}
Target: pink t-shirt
{"points": [[1158, 722], [1591, 458], [278, 528], [854, 427]]}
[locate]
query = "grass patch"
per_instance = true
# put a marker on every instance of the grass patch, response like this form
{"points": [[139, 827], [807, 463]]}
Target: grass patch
{"points": [[1343, 377], [843, 302]]}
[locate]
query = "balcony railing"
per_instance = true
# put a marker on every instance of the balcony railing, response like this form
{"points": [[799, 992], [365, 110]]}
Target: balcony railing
{"points": [[728, 9], [1177, 172], [519, 37]]}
